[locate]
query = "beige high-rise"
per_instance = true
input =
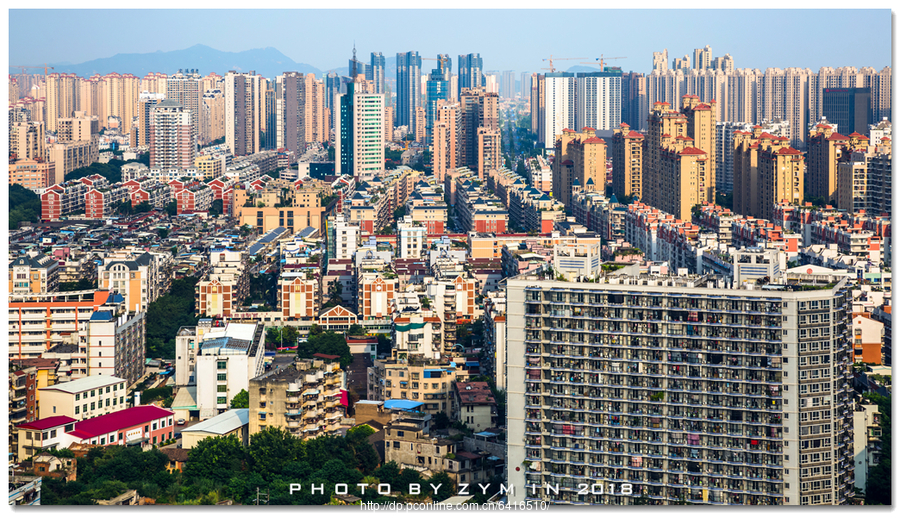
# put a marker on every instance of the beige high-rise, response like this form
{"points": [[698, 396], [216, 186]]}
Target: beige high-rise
{"points": [[580, 163], [26, 140], [121, 95], [212, 126], [155, 83], [446, 139], [695, 124], [767, 170], [627, 162], [244, 98], [77, 128], [185, 88], [62, 98]]}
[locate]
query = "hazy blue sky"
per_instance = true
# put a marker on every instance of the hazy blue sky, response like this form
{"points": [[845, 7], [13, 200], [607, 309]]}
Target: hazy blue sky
{"points": [[506, 39]]}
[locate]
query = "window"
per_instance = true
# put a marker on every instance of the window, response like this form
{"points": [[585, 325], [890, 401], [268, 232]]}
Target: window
{"points": [[222, 388], [107, 401], [220, 365], [107, 390], [147, 429], [92, 406], [121, 435], [77, 408], [221, 401], [92, 393], [154, 427], [220, 376], [77, 397]]}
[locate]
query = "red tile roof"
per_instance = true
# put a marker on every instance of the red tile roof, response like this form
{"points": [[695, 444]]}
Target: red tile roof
{"points": [[837, 136], [692, 151], [568, 162], [641, 135], [787, 151], [49, 422], [128, 418], [595, 140], [857, 135], [703, 107], [588, 128], [326, 356]]}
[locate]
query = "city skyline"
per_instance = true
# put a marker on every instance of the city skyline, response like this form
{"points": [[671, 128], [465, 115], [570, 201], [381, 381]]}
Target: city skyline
{"points": [[736, 32]]}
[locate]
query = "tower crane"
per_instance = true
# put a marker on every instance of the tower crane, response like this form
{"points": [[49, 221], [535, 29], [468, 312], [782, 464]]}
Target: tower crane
{"points": [[442, 59], [602, 61], [45, 66], [551, 59]]}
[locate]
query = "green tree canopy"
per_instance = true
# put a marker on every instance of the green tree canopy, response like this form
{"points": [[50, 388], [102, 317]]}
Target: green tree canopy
{"points": [[326, 343], [215, 458], [241, 400], [24, 205]]}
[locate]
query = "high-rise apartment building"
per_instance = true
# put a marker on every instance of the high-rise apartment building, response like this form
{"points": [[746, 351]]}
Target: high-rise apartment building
{"points": [[626, 149], [244, 112], [849, 108], [537, 104], [508, 84], [725, 153], [579, 164], [825, 146], [661, 61], [80, 127], [62, 98], [479, 109], [703, 58], [212, 125], [146, 102], [471, 72], [599, 99], [376, 67], [186, 89], [359, 133], [121, 93], [679, 137], [300, 111], [437, 88], [678, 389], [525, 85], [559, 106], [173, 143], [634, 100], [27, 140], [409, 96], [489, 151], [447, 139], [767, 170]]}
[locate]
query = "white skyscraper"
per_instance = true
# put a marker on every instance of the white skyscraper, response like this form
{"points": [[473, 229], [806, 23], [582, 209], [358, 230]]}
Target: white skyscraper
{"points": [[559, 106], [599, 96]]}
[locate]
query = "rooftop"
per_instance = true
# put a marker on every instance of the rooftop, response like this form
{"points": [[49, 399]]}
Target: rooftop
{"points": [[222, 423], [115, 421], [83, 384]]}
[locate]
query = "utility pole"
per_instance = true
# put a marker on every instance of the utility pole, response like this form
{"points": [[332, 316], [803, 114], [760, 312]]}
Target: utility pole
{"points": [[257, 499]]}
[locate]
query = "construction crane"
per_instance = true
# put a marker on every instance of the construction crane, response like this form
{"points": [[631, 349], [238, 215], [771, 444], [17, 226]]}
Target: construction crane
{"points": [[551, 59], [443, 60], [602, 61], [24, 67]]}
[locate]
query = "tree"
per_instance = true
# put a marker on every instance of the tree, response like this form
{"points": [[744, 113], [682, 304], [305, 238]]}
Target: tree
{"points": [[356, 330], [241, 400], [445, 486], [142, 207], [24, 205], [326, 343], [162, 233], [215, 209], [384, 344], [271, 449], [215, 458], [441, 421], [172, 208]]}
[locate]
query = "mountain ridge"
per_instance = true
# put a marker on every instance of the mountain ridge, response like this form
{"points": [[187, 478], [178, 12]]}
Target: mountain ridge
{"points": [[268, 61]]}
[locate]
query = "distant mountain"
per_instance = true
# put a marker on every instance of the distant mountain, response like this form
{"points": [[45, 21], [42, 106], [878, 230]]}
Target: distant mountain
{"points": [[269, 62]]}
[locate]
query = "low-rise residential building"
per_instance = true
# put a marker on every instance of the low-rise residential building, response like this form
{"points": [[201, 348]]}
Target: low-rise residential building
{"points": [[33, 272], [429, 382], [145, 425], [867, 448], [34, 174], [305, 398], [62, 199], [233, 422], [101, 203], [83, 398], [867, 335], [475, 405]]}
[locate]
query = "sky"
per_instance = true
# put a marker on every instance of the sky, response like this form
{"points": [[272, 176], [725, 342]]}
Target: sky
{"points": [[506, 39]]}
